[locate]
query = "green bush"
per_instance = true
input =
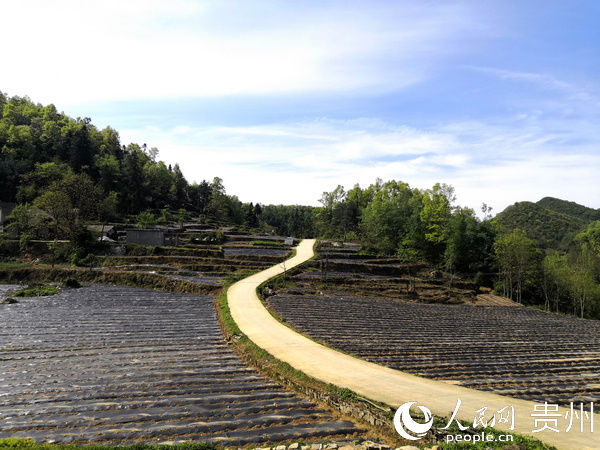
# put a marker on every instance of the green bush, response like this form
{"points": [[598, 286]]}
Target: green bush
{"points": [[347, 395], [39, 290], [145, 219], [71, 283]]}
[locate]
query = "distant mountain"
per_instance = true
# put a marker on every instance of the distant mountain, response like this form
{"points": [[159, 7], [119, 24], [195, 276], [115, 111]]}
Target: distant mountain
{"points": [[570, 209], [551, 226]]}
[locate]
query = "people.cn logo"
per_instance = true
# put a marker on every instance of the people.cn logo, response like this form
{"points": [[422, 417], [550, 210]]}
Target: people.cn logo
{"points": [[404, 423]]}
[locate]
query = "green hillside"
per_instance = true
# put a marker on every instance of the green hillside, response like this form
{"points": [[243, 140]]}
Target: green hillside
{"points": [[570, 209], [547, 227]]}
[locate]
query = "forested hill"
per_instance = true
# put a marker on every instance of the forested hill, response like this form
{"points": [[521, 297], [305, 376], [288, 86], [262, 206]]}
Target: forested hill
{"points": [[551, 222], [571, 209], [47, 157]]}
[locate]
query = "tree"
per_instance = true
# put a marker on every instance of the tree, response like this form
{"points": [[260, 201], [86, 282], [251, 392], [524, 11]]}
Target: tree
{"points": [[9, 176], [58, 205], [251, 219], [385, 222], [469, 244], [435, 216], [200, 195], [589, 238], [76, 143], [159, 185], [41, 178], [84, 195], [133, 173], [553, 279], [182, 216], [145, 219], [109, 171], [519, 259], [258, 210], [219, 205], [181, 186], [20, 220], [582, 286], [108, 207], [330, 201]]}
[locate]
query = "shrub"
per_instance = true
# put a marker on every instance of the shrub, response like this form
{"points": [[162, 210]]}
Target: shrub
{"points": [[9, 248], [71, 283], [145, 219], [347, 395], [38, 290]]}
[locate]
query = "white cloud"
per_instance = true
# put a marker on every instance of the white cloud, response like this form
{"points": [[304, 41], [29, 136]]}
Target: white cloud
{"points": [[73, 52]]}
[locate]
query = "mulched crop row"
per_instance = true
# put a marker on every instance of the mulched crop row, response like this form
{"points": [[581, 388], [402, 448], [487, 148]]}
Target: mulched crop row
{"points": [[509, 350], [276, 252], [108, 364]]}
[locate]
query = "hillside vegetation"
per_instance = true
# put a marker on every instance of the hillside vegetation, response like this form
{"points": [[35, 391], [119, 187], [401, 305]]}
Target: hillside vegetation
{"points": [[547, 227], [571, 209], [48, 159]]}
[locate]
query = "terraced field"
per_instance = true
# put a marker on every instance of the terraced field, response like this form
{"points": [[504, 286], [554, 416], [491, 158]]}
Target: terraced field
{"points": [[108, 364], [512, 351], [343, 270], [202, 265]]}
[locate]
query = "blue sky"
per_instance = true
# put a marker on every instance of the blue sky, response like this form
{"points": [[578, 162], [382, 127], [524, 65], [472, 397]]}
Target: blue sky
{"points": [[284, 100]]}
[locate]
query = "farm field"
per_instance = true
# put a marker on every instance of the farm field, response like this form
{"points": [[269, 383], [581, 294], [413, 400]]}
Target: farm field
{"points": [[509, 350], [107, 364], [344, 270]]}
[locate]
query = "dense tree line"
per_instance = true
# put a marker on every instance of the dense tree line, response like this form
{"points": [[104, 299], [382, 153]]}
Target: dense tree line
{"points": [[290, 220], [391, 218]]}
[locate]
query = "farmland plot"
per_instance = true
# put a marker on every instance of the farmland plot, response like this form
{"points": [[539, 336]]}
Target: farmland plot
{"points": [[513, 351], [345, 271], [109, 364]]}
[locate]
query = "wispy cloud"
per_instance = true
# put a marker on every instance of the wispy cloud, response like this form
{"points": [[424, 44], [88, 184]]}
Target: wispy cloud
{"points": [[543, 79], [89, 51], [497, 164], [578, 93]]}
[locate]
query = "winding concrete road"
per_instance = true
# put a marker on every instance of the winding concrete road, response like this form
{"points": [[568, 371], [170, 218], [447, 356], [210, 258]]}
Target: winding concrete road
{"points": [[388, 385]]}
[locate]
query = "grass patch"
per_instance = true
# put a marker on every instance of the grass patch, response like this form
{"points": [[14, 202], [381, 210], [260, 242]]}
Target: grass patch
{"points": [[37, 290], [347, 395], [43, 274], [29, 444], [13, 265]]}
